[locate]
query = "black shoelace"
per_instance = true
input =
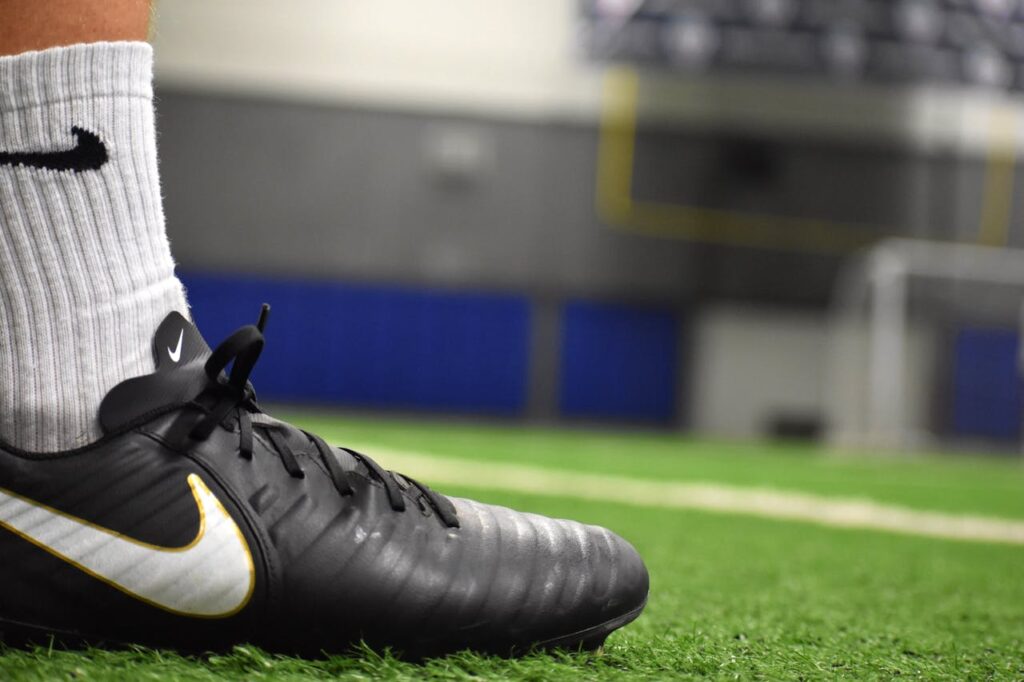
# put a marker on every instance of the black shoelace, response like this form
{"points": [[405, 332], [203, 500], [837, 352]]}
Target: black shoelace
{"points": [[235, 395]]}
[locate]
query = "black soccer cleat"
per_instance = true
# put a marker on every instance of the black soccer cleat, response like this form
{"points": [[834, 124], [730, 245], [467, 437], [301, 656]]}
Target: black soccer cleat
{"points": [[198, 522]]}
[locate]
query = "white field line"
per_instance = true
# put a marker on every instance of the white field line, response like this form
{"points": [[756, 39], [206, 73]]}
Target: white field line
{"points": [[763, 502]]}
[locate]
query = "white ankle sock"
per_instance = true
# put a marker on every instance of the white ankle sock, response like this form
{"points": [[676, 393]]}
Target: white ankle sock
{"points": [[86, 273]]}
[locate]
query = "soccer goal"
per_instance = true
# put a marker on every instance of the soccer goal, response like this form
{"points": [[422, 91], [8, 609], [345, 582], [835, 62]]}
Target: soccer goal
{"points": [[904, 321]]}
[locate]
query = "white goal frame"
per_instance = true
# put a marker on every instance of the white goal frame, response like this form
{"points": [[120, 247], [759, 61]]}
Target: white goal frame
{"points": [[870, 330]]}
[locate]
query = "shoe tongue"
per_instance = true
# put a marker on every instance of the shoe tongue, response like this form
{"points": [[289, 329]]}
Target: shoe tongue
{"points": [[298, 441], [180, 353]]}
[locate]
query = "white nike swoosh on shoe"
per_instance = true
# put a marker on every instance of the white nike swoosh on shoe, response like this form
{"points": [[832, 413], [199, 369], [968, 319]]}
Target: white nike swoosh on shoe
{"points": [[176, 353], [211, 577]]}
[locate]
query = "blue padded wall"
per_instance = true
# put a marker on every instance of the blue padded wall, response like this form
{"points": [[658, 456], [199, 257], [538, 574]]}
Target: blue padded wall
{"points": [[375, 346], [987, 398], [618, 362]]}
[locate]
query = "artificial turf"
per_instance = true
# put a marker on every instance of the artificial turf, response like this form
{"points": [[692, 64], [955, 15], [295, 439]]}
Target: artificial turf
{"points": [[731, 596]]}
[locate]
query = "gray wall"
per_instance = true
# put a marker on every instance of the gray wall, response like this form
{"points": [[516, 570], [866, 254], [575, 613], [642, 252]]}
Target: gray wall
{"points": [[269, 187], [356, 194]]}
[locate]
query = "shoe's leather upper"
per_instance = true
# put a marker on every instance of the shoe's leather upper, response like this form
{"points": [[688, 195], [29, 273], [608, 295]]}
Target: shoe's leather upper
{"points": [[329, 568]]}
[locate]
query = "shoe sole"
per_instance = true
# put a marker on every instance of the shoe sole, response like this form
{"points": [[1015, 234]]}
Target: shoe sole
{"points": [[592, 638], [15, 633]]}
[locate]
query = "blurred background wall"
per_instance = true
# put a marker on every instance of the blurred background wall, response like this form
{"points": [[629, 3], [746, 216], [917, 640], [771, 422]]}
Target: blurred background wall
{"points": [[605, 211]]}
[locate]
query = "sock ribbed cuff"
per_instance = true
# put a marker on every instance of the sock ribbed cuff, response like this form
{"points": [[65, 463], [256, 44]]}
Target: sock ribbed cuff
{"points": [[59, 74]]}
